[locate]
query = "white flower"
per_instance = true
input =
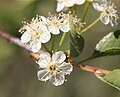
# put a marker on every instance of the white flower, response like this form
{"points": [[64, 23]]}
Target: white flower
{"points": [[35, 33], [53, 69], [108, 12], [61, 4], [58, 22]]}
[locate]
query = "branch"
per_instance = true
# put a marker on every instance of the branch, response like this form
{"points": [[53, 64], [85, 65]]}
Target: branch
{"points": [[93, 69], [89, 68], [17, 41]]}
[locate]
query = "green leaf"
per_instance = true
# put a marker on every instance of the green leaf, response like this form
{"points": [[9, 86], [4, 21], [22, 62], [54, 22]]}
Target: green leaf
{"points": [[109, 45], [76, 45], [112, 78]]}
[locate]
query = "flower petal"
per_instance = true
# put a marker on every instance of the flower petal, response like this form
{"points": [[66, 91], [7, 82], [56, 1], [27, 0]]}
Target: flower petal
{"points": [[59, 57], [98, 7], [45, 37], [69, 3], [65, 28], [43, 75], [35, 46], [79, 2], [66, 68], [54, 30], [44, 60], [104, 18], [113, 21], [60, 6], [26, 37], [57, 79], [44, 19]]}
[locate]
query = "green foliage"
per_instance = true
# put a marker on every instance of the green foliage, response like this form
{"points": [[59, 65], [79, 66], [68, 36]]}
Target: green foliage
{"points": [[76, 45], [109, 45], [112, 78]]}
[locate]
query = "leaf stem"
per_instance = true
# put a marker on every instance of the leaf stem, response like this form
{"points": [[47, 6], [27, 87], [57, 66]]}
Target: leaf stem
{"points": [[84, 60], [90, 26], [62, 39]]}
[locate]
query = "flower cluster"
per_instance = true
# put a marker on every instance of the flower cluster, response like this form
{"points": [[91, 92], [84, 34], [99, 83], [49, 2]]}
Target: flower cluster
{"points": [[58, 22], [38, 30], [53, 69], [108, 12], [35, 33], [107, 9]]}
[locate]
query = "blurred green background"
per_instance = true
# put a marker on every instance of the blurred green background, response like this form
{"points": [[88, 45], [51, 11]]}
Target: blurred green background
{"points": [[18, 70]]}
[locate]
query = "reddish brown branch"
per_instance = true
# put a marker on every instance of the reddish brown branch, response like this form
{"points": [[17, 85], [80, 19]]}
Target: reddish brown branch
{"points": [[17, 41], [88, 68], [14, 40], [93, 69]]}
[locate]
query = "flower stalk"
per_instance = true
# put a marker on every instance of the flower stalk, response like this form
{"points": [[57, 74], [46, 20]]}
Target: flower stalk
{"points": [[90, 26], [85, 10], [62, 40]]}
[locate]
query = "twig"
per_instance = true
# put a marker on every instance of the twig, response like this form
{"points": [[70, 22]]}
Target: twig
{"points": [[93, 69], [17, 41], [89, 68]]}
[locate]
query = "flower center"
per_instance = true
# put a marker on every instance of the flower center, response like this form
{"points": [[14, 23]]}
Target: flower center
{"points": [[56, 23], [37, 34], [107, 11], [53, 68]]}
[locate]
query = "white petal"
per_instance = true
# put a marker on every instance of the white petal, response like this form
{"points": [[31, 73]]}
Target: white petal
{"points": [[79, 2], [45, 37], [65, 28], [59, 57], [54, 30], [57, 79], [66, 68], [26, 37], [98, 7], [104, 18], [43, 75], [44, 20], [27, 28], [113, 22], [60, 6], [69, 3], [44, 60], [112, 10], [35, 46]]}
